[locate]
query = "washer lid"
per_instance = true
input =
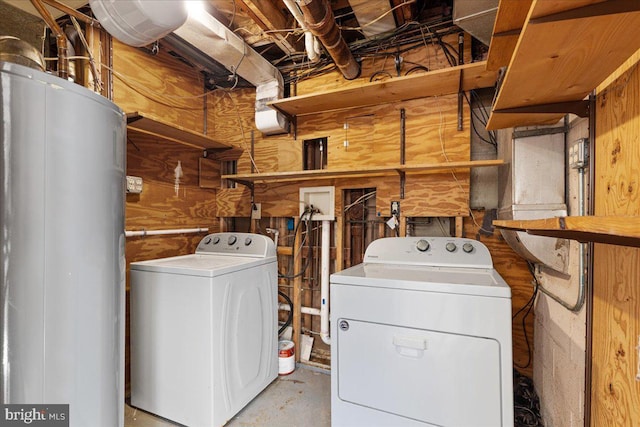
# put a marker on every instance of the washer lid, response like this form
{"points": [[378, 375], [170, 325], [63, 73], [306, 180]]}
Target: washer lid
{"points": [[208, 265], [463, 281]]}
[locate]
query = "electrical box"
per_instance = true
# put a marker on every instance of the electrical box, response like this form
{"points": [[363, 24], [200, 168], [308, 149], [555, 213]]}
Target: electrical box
{"points": [[579, 154], [134, 184], [321, 199]]}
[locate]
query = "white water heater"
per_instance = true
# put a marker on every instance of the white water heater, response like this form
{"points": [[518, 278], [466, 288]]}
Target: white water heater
{"points": [[62, 272]]}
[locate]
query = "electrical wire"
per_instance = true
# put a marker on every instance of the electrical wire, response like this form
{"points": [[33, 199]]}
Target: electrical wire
{"points": [[290, 315], [528, 306], [308, 214]]}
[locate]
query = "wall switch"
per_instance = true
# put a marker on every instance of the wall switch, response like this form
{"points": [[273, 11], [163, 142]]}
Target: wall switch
{"points": [[256, 211], [134, 184]]}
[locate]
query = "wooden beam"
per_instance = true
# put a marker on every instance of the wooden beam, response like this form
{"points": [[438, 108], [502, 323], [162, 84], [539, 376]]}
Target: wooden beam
{"points": [[269, 18]]}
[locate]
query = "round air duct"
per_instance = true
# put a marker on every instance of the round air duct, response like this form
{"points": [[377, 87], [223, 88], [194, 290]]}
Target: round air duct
{"points": [[139, 22]]}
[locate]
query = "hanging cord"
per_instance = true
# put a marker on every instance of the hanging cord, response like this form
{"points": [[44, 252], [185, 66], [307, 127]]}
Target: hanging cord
{"points": [[528, 306], [308, 213], [290, 315]]}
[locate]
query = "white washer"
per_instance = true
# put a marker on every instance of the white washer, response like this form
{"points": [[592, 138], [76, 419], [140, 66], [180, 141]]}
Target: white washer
{"points": [[421, 335], [204, 329]]}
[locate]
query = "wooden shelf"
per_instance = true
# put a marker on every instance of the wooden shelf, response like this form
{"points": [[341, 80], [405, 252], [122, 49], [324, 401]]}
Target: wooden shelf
{"points": [[434, 83], [510, 19], [149, 125], [613, 230], [355, 173], [565, 50]]}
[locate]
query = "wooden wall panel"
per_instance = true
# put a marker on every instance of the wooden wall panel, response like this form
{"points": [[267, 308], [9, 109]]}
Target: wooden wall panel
{"points": [[513, 269], [431, 57], [160, 85], [615, 391]]}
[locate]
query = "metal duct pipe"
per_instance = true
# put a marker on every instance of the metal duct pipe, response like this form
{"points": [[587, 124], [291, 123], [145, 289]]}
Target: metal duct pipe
{"points": [[61, 38], [319, 19]]}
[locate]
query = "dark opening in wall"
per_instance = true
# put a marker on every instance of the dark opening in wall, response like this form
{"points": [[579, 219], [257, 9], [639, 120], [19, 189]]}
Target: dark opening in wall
{"points": [[314, 153]]}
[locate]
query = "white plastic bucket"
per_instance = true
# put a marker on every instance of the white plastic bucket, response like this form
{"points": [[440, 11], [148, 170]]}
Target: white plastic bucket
{"points": [[286, 357]]}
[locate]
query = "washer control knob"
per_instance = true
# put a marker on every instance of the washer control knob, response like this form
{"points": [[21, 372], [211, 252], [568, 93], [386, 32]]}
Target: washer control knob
{"points": [[343, 325], [232, 240], [467, 247], [422, 245], [216, 240], [451, 247], [207, 240], [247, 241]]}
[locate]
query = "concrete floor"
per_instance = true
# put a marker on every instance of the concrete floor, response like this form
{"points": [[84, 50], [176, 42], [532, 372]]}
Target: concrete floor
{"points": [[302, 398]]}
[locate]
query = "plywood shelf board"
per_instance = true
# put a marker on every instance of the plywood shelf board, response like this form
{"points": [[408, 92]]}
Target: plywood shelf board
{"points": [[147, 124], [613, 230], [352, 173], [510, 19], [562, 60], [434, 83]]}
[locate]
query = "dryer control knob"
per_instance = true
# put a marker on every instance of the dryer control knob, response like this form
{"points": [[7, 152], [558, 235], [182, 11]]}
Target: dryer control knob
{"points": [[422, 245], [216, 240], [247, 241], [232, 240], [207, 240], [467, 247], [451, 247]]}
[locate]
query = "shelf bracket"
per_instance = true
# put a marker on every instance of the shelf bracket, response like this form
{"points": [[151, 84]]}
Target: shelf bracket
{"points": [[608, 7], [579, 108], [247, 184]]}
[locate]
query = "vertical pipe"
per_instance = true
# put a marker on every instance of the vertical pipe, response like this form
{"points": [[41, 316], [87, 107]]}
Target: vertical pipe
{"points": [[324, 282], [320, 21], [297, 294], [460, 93], [61, 38]]}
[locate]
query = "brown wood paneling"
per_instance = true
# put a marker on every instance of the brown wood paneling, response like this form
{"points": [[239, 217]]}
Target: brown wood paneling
{"points": [[615, 391], [160, 85], [513, 269]]}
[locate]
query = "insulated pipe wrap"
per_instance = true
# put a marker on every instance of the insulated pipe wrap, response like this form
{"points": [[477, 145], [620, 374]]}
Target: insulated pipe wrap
{"points": [[320, 21]]}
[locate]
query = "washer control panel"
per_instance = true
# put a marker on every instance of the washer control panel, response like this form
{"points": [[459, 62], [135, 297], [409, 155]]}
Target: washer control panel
{"points": [[248, 244], [436, 251]]}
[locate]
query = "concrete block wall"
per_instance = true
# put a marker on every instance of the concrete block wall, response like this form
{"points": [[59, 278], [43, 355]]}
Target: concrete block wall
{"points": [[560, 335]]}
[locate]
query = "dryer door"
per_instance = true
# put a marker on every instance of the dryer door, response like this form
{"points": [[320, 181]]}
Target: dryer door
{"points": [[429, 376]]}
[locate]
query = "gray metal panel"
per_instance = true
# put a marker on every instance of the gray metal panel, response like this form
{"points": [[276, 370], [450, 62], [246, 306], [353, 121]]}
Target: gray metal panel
{"points": [[63, 168]]}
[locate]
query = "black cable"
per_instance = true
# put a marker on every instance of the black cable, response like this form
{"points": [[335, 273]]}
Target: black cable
{"points": [[290, 316], [528, 306]]}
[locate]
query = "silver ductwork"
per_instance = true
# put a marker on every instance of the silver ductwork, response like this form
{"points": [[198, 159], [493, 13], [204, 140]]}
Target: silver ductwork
{"points": [[532, 186], [476, 17], [140, 23], [211, 37]]}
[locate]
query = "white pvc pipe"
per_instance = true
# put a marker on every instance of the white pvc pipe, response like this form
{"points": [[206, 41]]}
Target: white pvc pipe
{"points": [[130, 233], [304, 310], [324, 283], [310, 42]]}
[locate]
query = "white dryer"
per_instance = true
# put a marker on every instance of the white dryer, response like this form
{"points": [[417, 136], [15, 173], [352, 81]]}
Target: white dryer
{"points": [[204, 329], [421, 336]]}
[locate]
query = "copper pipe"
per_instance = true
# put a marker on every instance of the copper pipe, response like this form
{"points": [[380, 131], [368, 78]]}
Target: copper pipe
{"points": [[319, 19], [71, 12], [61, 38]]}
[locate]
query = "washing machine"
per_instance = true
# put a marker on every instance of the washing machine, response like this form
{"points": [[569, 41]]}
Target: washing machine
{"points": [[204, 329], [421, 336]]}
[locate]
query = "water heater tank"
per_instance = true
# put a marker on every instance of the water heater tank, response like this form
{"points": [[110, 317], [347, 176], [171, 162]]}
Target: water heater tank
{"points": [[62, 269], [139, 22]]}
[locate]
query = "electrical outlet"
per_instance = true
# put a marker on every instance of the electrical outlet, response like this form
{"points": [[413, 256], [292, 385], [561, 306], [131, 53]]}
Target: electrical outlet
{"points": [[256, 211], [395, 208], [134, 184], [579, 154]]}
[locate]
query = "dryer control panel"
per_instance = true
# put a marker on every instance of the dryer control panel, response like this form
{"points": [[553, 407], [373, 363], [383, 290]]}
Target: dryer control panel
{"points": [[433, 251], [237, 244]]}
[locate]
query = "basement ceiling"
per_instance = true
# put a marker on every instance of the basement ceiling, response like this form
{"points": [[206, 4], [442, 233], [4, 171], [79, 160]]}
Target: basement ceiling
{"points": [[269, 28]]}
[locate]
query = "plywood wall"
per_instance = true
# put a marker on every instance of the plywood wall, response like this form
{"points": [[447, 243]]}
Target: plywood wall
{"points": [[615, 390]]}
